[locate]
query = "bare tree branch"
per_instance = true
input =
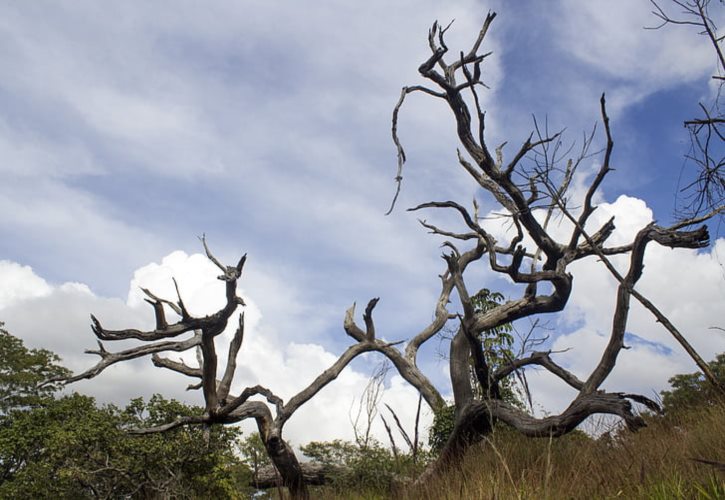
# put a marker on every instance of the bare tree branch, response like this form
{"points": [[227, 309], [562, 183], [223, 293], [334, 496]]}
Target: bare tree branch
{"points": [[111, 358], [541, 359], [401, 429], [234, 347], [177, 366]]}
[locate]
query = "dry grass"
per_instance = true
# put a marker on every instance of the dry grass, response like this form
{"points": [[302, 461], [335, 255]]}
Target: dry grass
{"points": [[655, 463]]}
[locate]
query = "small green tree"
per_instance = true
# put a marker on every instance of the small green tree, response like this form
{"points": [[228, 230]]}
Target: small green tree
{"points": [[498, 345], [692, 389], [72, 448], [337, 453], [201, 462], [254, 454], [443, 422], [22, 370]]}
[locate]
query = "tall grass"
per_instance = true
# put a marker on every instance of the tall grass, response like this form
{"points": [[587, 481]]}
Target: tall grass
{"points": [[659, 462]]}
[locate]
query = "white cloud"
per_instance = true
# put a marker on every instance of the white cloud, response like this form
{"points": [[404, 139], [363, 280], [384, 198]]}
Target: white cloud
{"points": [[53, 223], [27, 155], [639, 61], [20, 283], [686, 285], [126, 125], [617, 43], [56, 317]]}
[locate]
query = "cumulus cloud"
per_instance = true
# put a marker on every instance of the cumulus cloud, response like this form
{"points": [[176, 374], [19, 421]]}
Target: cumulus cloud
{"points": [[20, 283]]}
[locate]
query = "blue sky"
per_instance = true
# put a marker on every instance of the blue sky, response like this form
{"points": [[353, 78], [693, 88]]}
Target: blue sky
{"points": [[129, 129]]}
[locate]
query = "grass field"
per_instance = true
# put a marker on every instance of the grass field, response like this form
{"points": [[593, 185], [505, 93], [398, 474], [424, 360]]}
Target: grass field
{"points": [[681, 456]]}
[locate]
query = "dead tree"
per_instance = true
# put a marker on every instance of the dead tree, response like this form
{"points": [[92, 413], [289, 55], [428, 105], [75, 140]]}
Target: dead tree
{"points": [[220, 406], [190, 333], [529, 186]]}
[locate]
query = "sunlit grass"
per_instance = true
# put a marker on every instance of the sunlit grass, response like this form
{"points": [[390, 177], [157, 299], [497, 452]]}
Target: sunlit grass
{"points": [[655, 463]]}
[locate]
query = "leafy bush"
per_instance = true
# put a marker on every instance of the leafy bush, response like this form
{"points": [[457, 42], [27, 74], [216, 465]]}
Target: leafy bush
{"points": [[372, 468], [21, 372], [692, 389], [71, 448], [442, 427]]}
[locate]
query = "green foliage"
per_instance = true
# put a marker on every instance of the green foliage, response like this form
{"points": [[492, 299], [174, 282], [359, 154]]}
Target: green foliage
{"points": [[692, 389], [331, 453], [372, 468], [22, 370], [201, 460], [443, 422], [497, 337], [254, 454], [498, 343], [70, 448]]}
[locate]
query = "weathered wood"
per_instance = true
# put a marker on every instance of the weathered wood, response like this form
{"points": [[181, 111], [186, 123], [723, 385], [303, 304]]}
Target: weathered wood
{"points": [[524, 192], [312, 473]]}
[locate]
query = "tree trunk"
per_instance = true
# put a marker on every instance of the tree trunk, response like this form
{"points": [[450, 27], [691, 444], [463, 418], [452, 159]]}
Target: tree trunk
{"points": [[285, 462], [470, 428]]}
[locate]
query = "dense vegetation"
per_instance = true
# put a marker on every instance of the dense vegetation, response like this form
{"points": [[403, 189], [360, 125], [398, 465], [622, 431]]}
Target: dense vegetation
{"points": [[71, 447]]}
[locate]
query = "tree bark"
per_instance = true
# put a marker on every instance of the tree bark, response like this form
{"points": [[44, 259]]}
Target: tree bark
{"points": [[291, 474], [312, 474]]}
